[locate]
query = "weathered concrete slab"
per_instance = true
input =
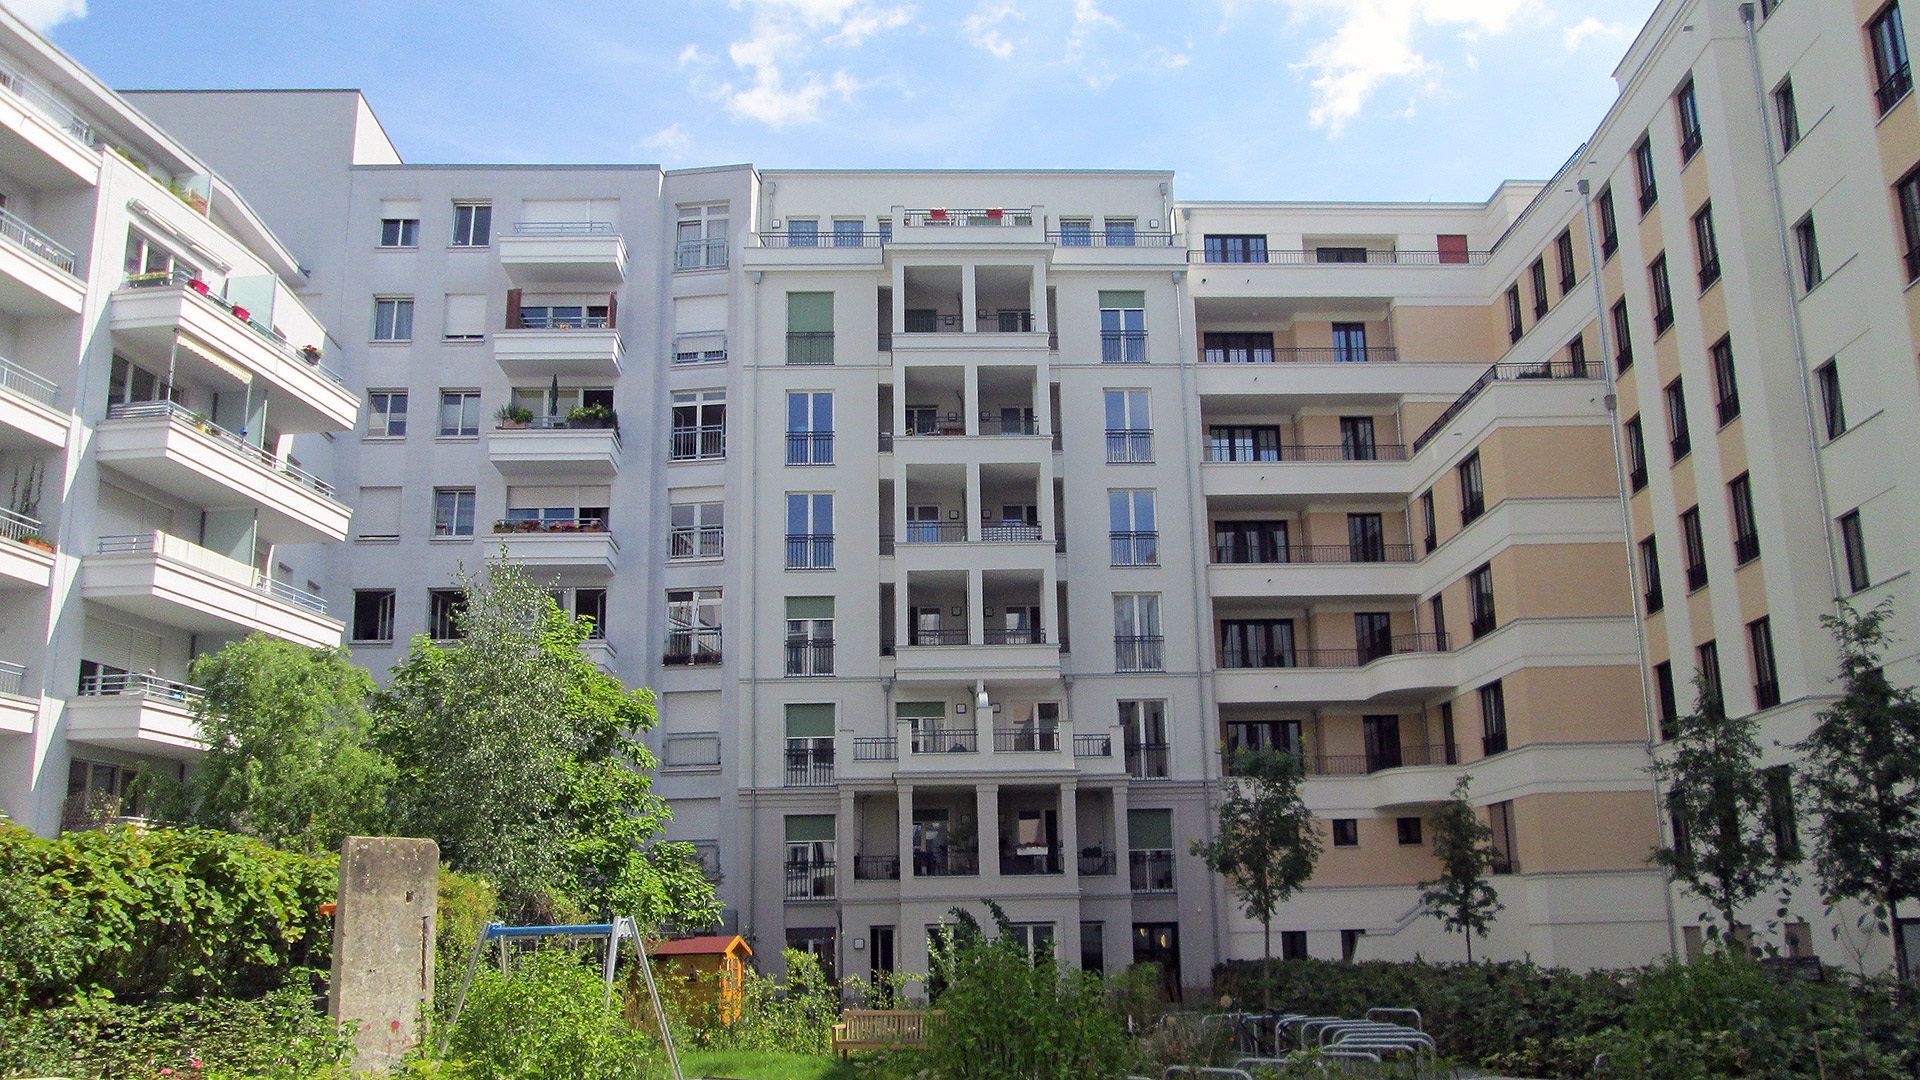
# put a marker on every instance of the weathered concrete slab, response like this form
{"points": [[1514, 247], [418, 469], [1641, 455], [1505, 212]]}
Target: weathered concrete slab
{"points": [[383, 931]]}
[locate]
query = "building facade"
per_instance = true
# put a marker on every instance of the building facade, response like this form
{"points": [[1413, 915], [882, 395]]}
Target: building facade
{"points": [[964, 521]]}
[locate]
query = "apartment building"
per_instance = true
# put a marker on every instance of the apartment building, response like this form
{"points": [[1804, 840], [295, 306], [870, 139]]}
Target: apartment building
{"points": [[162, 389], [964, 520]]}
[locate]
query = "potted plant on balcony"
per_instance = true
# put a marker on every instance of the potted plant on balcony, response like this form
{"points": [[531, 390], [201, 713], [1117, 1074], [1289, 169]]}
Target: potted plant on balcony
{"points": [[242, 313], [310, 353], [24, 501], [590, 416], [199, 286], [502, 525], [514, 416]]}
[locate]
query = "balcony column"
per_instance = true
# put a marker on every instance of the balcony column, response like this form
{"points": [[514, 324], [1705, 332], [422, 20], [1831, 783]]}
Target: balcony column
{"points": [[1121, 842], [969, 295], [987, 809], [1049, 593], [847, 846], [976, 599], [970, 398], [1070, 827], [1037, 294], [905, 807], [973, 499], [899, 291]]}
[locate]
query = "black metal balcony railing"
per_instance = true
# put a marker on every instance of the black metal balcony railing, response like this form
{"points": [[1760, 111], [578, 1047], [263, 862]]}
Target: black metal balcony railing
{"points": [[1662, 320], [1336, 354], [701, 646], [1123, 346], [1696, 577], [1004, 322], [876, 749], [809, 657], [1350, 257], [1015, 635], [1495, 743], [1243, 658], [876, 868], [1727, 409], [809, 347], [1482, 625], [1313, 553], [1746, 548], [809, 551], [1637, 477], [1217, 453], [1092, 745], [1135, 548], [1097, 863], [1894, 87], [1400, 757], [696, 542], [1546, 369], [1026, 740], [1046, 862], [809, 447], [1680, 445], [1139, 652], [946, 863], [1690, 144], [1623, 359], [1654, 599], [1766, 693], [928, 636], [1011, 532], [1128, 446], [935, 532], [691, 443], [947, 741], [1120, 238], [1709, 273], [1472, 509], [810, 766], [1151, 871], [1147, 761], [810, 880]]}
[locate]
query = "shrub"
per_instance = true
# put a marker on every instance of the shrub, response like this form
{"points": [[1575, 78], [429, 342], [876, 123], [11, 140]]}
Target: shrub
{"points": [[467, 902], [548, 1019], [281, 1034]]}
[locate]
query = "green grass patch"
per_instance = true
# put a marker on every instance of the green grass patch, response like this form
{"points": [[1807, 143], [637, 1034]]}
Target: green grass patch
{"points": [[769, 1065]]}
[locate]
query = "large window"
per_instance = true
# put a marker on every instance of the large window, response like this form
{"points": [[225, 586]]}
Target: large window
{"points": [[472, 224], [1493, 719], [373, 614], [809, 427], [1237, 348], [1136, 632], [1429, 521], [1666, 698], [1356, 439], [1221, 248], [700, 237], [1679, 438], [1537, 274], [1662, 291], [1833, 411], [1746, 533], [1514, 327], [1907, 191], [148, 259], [1609, 223], [1694, 546], [1234, 442], [1143, 734], [1686, 109], [399, 232], [1643, 174], [810, 636], [1250, 542], [1257, 643], [1563, 258], [693, 626], [386, 414], [589, 605], [393, 318], [1653, 595], [809, 530], [699, 425], [459, 412], [1366, 538], [453, 511], [1133, 531], [444, 610], [1707, 658], [1806, 246], [697, 531], [1129, 426], [1726, 389], [809, 328], [1123, 326], [1766, 670], [1473, 490], [1480, 600], [1889, 40], [1853, 544], [1622, 338], [1706, 248], [1636, 440], [1786, 114], [1349, 342]]}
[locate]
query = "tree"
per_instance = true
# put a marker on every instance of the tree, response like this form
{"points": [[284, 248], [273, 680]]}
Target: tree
{"points": [[1717, 799], [288, 759], [1461, 897], [1267, 843], [523, 760], [1862, 772]]}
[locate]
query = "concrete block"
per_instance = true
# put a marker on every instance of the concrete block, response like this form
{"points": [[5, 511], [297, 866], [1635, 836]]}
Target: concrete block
{"points": [[383, 931]]}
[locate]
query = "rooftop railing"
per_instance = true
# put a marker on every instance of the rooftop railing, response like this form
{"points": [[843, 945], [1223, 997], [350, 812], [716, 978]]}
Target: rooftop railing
{"points": [[1553, 369], [229, 441]]}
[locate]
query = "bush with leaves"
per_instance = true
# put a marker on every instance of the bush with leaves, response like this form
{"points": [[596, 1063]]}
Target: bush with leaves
{"points": [[549, 1018], [283, 1034]]}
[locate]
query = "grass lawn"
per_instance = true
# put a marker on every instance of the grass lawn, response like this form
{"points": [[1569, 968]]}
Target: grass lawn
{"points": [[766, 1065]]}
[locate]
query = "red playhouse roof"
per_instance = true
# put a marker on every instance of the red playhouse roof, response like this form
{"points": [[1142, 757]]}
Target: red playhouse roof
{"points": [[699, 946]]}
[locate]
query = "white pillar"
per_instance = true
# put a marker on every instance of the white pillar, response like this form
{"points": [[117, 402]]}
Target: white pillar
{"points": [[987, 806], [1070, 829], [969, 295]]}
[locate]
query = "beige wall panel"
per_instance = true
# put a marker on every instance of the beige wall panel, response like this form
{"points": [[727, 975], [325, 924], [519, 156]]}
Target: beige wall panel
{"points": [[1582, 704], [1561, 581], [1584, 831], [1459, 334], [1379, 860]]}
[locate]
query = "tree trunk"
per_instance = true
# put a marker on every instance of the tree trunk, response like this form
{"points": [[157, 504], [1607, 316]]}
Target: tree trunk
{"points": [[1468, 934], [1900, 963], [1266, 964]]}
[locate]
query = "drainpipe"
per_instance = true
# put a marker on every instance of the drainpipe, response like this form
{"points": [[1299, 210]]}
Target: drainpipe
{"points": [[1635, 586], [750, 682]]}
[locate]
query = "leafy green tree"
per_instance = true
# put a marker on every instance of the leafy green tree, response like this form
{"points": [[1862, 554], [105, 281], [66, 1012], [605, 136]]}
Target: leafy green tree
{"points": [[1718, 803], [1862, 773], [524, 761], [1461, 897], [1267, 844], [288, 759]]}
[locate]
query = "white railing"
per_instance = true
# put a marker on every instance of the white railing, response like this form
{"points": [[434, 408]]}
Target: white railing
{"points": [[16, 526], [37, 243], [47, 105], [172, 547], [182, 280], [13, 678], [563, 228], [230, 441], [146, 686], [25, 383]]}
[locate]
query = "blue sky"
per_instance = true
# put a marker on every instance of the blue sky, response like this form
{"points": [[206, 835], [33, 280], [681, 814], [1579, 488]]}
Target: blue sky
{"points": [[1255, 99]]}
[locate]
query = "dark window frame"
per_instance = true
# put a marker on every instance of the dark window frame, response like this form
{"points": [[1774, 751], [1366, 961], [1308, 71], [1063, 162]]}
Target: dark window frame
{"points": [[1693, 546]]}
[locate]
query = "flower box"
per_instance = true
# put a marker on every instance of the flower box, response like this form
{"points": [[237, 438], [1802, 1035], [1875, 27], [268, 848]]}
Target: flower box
{"points": [[199, 286], [242, 313]]}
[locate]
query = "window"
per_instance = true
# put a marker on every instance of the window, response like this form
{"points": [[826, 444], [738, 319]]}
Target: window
{"points": [[1123, 326], [1707, 656], [1237, 348], [1766, 671], [1832, 411], [1293, 943], [1636, 454], [1678, 439], [696, 531], [1694, 547], [1514, 328], [472, 224], [1727, 391], [589, 605], [547, 316], [1350, 944], [1643, 174], [700, 237], [1346, 833], [1250, 542], [699, 425], [459, 412], [1438, 606], [1667, 700], [1786, 113], [464, 317], [809, 428], [149, 259], [810, 876], [1577, 356], [1373, 635], [1563, 258], [1480, 600], [803, 232], [1366, 538], [1907, 191], [1235, 249], [1143, 734], [1133, 532], [1473, 492], [1780, 815], [393, 318], [373, 614], [1662, 294], [1243, 443], [1853, 543], [1349, 342], [1622, 338], [1077, 232], [1356, 439], [1408, 830], [1806, 245], [1493, 719], [1650, 575], [1682, 840], [386, 414], [1889, 40], [809, 531], [693, 627], [1706, 249], [1257, 643], [1686, 109], [809, 328], [444, 610], [1537, 273], [810, 650], [453, 511], [376, 515], [1129, 427], [1279, 736], [399, 232], [1609, 224], [1429, 522], [1136, 632], [849, 232], [1746, 534]]}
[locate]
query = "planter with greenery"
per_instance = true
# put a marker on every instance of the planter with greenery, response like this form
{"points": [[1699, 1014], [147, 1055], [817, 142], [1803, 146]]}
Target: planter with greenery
{"points": [[513, 416], [591, 416]]}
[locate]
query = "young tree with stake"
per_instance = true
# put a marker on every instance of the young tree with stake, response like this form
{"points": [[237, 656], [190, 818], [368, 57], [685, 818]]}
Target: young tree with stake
{"points": [[1267, 843], [1461, 897]]}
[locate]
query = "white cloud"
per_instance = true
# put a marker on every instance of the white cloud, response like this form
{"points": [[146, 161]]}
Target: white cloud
{"points": [[1372, 43], [1089, 20], [863, 24], [692, 55], [44, 15], [782, 35], [1592, 29], [982, 28], [673, 140]]}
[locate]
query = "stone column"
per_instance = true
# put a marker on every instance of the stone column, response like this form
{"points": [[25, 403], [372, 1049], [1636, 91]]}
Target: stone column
{"points": [[383, 930]]}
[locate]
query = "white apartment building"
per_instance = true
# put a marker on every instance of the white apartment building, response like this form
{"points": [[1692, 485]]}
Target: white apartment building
{"points": [[156, 371]]}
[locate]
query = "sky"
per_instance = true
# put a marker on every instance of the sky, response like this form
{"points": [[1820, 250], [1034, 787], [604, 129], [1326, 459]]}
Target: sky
{"points": [[1243, 99]]}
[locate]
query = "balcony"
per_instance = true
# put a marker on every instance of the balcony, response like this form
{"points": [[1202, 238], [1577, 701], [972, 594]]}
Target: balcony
{"points": [[572, 546], [29, 416], [1391, 757], [1026, 740], [1338, 675], [811, 880], [1139, 652], [1148, 761], [876, 868], [810, 766], [1135, 548], [138, 713], [697, 542], [946, 741], [215, 338], [1548, 369], [538, 352], [706, 442], [183, 453], [1092, 746], [162, 577], [809, 657], [1232, 659], [44, 143], [555, 446], [1128, 446], [692, 647], [946, 864], [18, 711], [26, 556], [37, 275], [1032, 865], [876, 749], [570, 252], [1397, 576], [953, 653], [1150, 871]]}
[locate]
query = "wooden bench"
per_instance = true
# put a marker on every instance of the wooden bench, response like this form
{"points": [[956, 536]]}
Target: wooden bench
{"points": [[880, 1029]]}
